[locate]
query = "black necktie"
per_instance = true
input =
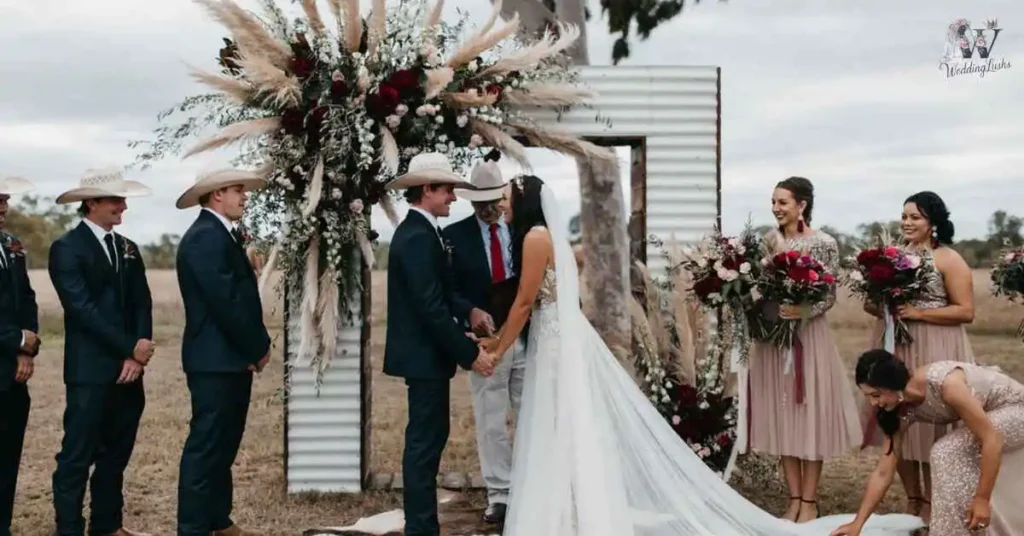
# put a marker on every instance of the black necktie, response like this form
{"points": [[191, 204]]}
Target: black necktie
{"points": [[109, 241], [237, 234]]}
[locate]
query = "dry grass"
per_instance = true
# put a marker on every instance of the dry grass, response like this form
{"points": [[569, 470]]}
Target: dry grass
{"points": [[260, 501]]}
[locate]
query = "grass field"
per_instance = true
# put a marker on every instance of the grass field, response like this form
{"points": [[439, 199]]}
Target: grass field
{"points": [[260, 502]]}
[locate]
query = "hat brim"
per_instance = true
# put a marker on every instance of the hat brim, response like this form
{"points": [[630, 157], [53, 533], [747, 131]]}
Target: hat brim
{"points": [[125, 189], [190, 197], [482, 195], [425, 177], [15, 186]]}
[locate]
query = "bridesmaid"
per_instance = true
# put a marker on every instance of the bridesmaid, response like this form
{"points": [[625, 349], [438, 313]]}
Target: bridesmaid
{"points": [[936, 322], [824, 423], [978, 468]]}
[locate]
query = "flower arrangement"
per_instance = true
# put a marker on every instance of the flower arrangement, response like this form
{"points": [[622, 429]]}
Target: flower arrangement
{"points": [[330, 111], [889, 276], [681, 365], [1008, 277], [14, 246], [793, 278], [725, 272]]}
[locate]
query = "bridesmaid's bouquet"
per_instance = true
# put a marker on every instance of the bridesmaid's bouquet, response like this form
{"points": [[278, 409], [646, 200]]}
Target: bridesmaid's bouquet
{"points": [[792, 278], [1008, 278], [890, 277]]}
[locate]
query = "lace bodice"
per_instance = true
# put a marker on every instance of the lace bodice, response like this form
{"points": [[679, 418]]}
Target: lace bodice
{"points": [[825, 250], [991, 388], [935, 294], [547, 294]]}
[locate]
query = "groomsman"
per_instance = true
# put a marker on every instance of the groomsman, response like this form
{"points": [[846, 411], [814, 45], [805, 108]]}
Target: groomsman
{"points": [[484, 291], [19, 343], [225, 341], [424, 343], [108, 330]]}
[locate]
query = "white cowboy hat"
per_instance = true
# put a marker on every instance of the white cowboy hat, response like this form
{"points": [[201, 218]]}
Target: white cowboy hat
{"points": [[428, 168], [217, 179], [107, 182], [15, 185], [486, 181]]}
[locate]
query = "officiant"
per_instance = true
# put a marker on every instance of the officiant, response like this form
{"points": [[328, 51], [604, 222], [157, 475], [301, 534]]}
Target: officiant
{"points": [[485, 288]]}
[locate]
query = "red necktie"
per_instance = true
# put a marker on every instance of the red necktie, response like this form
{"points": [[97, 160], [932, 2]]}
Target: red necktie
{"points": [[497, 259]]}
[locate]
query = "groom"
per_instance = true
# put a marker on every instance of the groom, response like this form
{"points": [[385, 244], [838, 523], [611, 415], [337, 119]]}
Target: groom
{"points": [[485, 289], [424, 343]]}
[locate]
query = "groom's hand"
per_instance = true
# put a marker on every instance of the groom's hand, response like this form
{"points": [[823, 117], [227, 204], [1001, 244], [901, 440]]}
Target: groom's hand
{"points": [[481, 321]]}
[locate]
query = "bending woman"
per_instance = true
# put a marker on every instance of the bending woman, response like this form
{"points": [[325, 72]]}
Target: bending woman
{"points": [[977, 469]]}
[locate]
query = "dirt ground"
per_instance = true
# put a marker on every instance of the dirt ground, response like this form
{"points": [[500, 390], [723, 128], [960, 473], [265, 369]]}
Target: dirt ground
{"points": [[261, 504]]}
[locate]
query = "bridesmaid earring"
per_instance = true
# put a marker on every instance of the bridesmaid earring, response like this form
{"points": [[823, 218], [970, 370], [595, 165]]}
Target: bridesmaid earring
{"points": [[899, 397], [800, 224], [935, 239]]}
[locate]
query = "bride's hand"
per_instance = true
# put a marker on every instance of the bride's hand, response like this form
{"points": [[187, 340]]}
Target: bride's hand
{"points": [[490, 344], [849, 529]]}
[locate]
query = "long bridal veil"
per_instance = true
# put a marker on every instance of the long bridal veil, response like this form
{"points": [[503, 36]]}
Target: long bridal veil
{"points": [[593, 457]]}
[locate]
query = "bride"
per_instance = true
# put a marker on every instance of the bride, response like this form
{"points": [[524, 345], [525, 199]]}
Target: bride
{"points": [[592, 456]]}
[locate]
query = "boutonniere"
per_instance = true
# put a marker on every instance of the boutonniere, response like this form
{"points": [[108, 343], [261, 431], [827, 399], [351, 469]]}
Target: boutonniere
{"points": [[15, 247], [129, 249], [448, 249], [245, 238]]}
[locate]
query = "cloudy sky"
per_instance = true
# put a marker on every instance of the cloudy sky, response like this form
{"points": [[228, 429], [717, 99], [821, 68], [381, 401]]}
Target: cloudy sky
{"points": [[849, 94]]}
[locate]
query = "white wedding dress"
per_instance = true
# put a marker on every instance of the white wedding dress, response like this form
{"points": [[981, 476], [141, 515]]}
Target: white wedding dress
{"points": [[593, 457]]}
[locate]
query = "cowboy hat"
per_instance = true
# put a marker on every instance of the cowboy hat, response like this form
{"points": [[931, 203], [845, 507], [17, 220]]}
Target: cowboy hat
{"points": [[428, 168], [215, 180], [107, 182], [15, 185], [486, 180]]}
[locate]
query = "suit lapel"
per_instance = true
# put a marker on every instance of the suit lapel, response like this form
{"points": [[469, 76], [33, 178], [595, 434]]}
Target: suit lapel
{"points": [[236, 247], [98, 250], [9, 263]]}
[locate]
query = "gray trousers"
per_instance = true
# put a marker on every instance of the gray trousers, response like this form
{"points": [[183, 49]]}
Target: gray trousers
{"points": [[492, 398]]}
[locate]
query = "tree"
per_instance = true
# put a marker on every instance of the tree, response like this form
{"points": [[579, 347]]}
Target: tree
{"points": [[161, 254], [647, 14], [871, 232], [37, 228], [1005, 229], [603, 221]]}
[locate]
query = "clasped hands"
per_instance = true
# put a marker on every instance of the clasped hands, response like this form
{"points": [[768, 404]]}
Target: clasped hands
{"points": [[132, 367], [26, 363], [487, 358]]}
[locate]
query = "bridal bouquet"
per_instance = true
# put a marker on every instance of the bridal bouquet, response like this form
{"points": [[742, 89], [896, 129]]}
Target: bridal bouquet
{"points": [[793, 278], [890, 277], [1008, 278], [725, 271]]}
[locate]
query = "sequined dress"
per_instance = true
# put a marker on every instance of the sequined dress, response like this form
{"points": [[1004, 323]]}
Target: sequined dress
{"points": [[955, 457], [932, 343], [827, 422]]}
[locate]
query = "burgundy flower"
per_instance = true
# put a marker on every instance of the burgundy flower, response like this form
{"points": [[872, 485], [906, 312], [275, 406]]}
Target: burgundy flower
{"points": [[15, 247], [301, 67], [383, 102], [406, 82], [339, 89], [687, 396], [292, 121]]}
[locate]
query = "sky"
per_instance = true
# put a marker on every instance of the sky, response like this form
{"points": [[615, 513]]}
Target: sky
{"points": [[848, 94]]}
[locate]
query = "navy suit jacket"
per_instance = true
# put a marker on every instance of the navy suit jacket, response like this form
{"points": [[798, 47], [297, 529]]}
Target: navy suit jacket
{"points": [[18, 310], [423, 340], [106, 311], [224, 330]]}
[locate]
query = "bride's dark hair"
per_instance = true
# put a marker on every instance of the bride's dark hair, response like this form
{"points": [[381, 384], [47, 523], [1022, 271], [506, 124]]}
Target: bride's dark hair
{"points": [[882, 370], [526, 214]]}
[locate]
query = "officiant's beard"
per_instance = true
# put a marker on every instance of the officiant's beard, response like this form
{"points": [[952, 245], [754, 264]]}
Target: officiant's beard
{"points": [[488, 212]]}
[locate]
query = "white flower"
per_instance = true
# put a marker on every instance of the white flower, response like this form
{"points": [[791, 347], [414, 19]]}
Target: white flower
{"points": [[714, 296], [703, 404], [442, 138], [439, 119], [473, 66], [421, 110], [1009, 257], [472, 92], [356, 206], [696, 447], [704, 452], [745, 268], [411, 151], [337, 76], [718, 264], [734, 242], [755, 294], [702, 263], [363, 82], [401, 110], [915, 261], [461, 121], [393, 121], [676, 420], [475, 141]]}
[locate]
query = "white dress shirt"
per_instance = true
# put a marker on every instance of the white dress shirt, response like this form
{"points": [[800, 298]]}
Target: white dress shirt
{"points": [[430, 218], [504, 237], [101, 234]]}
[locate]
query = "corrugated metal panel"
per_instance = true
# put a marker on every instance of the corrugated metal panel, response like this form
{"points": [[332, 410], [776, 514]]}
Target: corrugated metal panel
{"points": [[324, 430], [677, 111]]}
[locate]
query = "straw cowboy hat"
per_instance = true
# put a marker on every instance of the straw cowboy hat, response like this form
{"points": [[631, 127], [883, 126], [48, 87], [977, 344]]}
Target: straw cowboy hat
{"points": [[486, 180], [215, 180], [428, 168], [107, 182], [15, 185]]}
